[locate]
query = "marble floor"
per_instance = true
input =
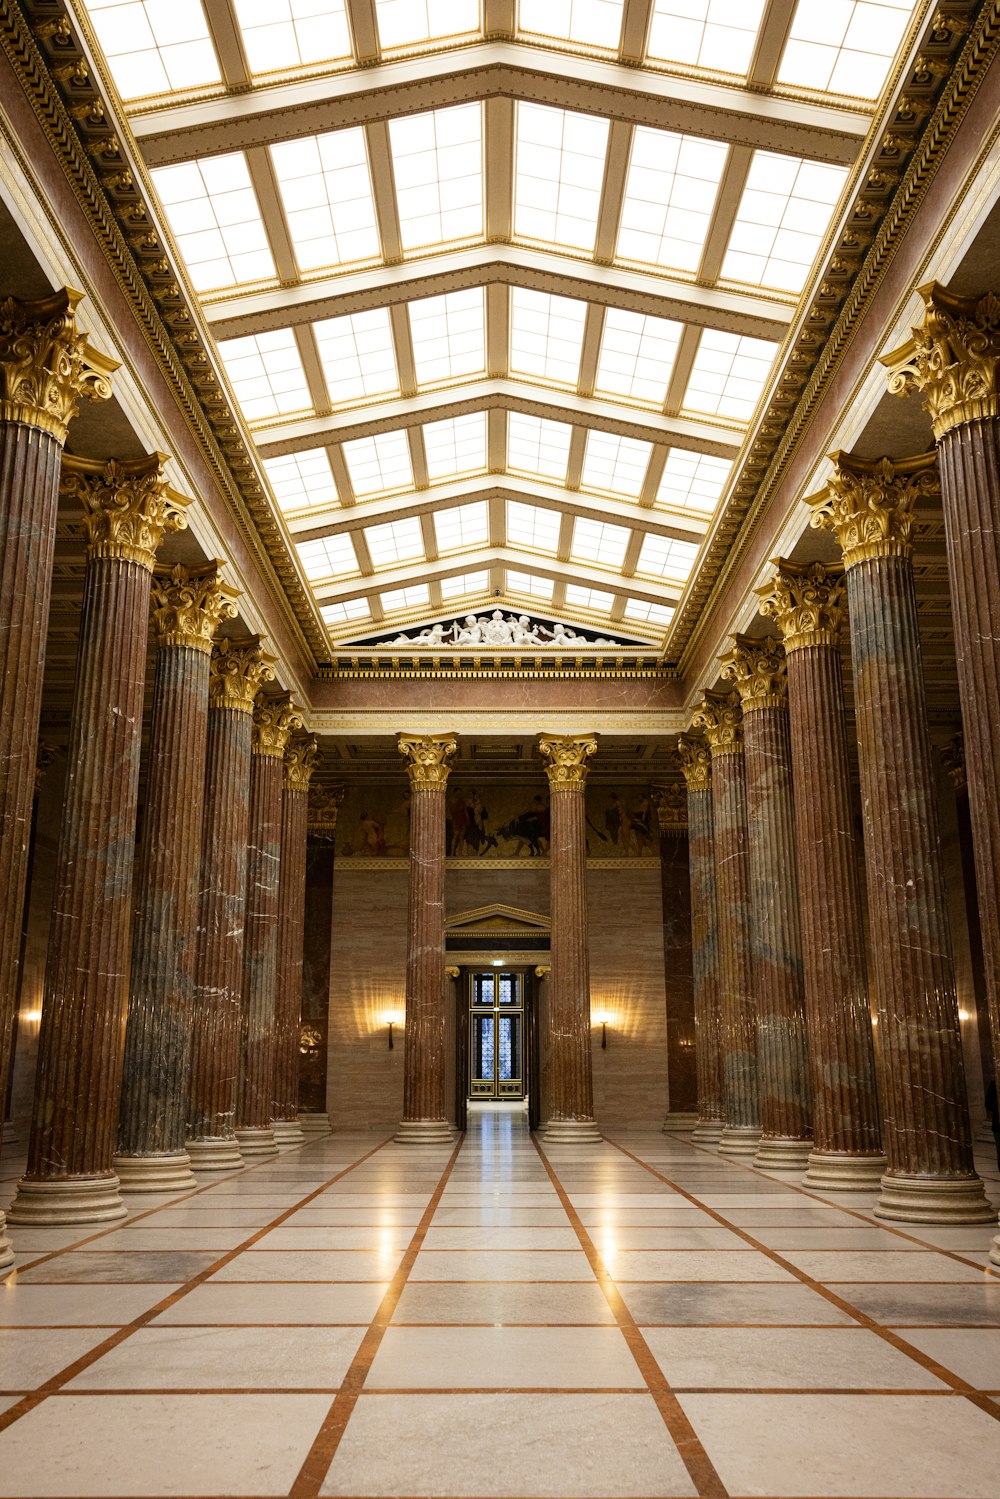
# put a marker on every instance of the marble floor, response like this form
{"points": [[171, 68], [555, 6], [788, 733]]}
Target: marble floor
{"points": [[642, 1318]]}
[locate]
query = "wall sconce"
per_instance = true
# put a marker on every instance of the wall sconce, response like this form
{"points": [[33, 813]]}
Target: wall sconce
{"points": [[391, 1018], [963, 1015], [603, 1018]]}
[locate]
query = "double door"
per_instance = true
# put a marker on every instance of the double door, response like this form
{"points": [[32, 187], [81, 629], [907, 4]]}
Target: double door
{"points": [[496, 1020]]}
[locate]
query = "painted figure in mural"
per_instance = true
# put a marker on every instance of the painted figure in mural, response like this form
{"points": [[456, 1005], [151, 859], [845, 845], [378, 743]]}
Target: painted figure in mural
{"points": [[371, 836], [639, 840], [467, 827], [529, 830]]}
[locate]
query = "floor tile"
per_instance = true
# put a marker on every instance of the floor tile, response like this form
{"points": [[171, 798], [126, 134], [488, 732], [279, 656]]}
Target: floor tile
{"points": [[388, 1237], [175, 1237], [828, 1237], [926, 1304], [973, 1353], [529, 1265], [842, 1265], [498, 1358], [680, 1264], [275, 1304], [76, 1306], [750, 1304], [30, 1356], [104, 1265], [261, 1358], [452, 1237], [309, 1265], [501, 1302], [784, 1358]]}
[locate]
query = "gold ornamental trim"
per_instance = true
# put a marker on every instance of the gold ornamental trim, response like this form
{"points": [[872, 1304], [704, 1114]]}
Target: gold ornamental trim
{"points": [[127, 505], [720, 716], [47, 367], [274, 720], [566, 757], [324, 805], [189, 604], [670, 801], [757, 670], [239, 670], [696, 763], [429, 758], [806, 602], [952, 360], [869, 504], [300, 762]]}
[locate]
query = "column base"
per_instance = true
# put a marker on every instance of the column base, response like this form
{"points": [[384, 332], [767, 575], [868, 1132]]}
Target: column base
{"points": [[6, 1247], [287, 1133], [572, 1132], [424, 1132], [255, 1143], [215, 1153], [739, 1139], [782, 1153], [836, 1171], [155, 1173], [315, 1124], [708, 1131], [679, 1122], [934, 1199], [66, 1200], [995, 1251]]}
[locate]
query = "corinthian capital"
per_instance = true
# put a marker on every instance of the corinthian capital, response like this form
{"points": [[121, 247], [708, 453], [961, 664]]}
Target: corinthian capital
{"points": [[806, 603], [239, 670], [46, 366], [869, 504], [324, 804], [128, 507], [953, 358], [670, 802], [566, 757], [719, 715], [429, 758], [189, 604], [300, 761], [274, 719], [757, 670], [696, 763]]}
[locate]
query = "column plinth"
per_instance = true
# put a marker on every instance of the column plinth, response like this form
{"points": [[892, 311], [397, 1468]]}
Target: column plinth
{"points": [[930, 1175], [696, 763], [300, 758], [70, 1176]]}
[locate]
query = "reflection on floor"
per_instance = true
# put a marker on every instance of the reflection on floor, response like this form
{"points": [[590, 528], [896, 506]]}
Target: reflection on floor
{"points": [[641, 1318]]}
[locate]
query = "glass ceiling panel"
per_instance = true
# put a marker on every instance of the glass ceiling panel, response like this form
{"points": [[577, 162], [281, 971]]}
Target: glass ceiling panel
{"points": [[716, 34], [415, 597], [590, 23], [536, 445], [330, 557], [654, 614], [397, 541], [844, 46], [530, 585], [448, 335], [589, 598], [546, 335], [692, 481], [326, 192], [462, 526], [290, 33], [598, 541], [532, 526], [615, 464], [455, 446], [783, 215], [155, 46], [266, 374], [670, 195], [215, 218], [357, 355], [340, 613], [378, 464], [301, 480], [464, 584], [438, 170], [637, 356], [662, 557], [728, 374], [408, 23], [559, 171]]}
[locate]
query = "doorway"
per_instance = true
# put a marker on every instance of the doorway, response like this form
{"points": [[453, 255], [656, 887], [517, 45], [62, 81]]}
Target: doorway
{"points": [[496, 1035]]}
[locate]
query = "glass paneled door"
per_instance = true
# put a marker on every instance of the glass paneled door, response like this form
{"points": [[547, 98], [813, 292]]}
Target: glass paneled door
{"points": [[496, 1037]]}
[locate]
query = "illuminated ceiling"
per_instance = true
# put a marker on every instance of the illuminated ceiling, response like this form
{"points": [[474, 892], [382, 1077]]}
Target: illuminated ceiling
{"points": [[494, 341]]}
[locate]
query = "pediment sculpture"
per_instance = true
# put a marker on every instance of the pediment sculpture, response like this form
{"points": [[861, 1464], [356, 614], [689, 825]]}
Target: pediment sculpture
{"points": [[499, 631]]}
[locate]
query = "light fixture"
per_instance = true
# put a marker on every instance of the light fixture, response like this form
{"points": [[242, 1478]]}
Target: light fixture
{"points": [[963, 1015], [497, 962], [391, 1018], [603, 1018]]}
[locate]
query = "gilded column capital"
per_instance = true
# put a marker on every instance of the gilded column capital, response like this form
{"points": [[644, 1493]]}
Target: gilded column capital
{"points": [[953, 358], [300, 761], [757, 670], [239, 669], [128, 506], [696, 763], [670, 801], [566, 757], [274, 720], [324, 804], [189, 604], [953, 759], [806, 603], [869, 504], [47, 367], [429, 759], [720, 716]]}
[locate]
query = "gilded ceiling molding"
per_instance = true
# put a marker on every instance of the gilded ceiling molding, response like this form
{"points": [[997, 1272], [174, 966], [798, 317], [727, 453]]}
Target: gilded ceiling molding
{"points": [[274, 719], [670, 801], [806, 603], [324, 805], [239, 669], [429, 759], [953, 358], [189, 604], [128, 507], [869, 504], [566, 757], [696, 763], [720, 716], [300, 761], [757, 670], [47, 367]]}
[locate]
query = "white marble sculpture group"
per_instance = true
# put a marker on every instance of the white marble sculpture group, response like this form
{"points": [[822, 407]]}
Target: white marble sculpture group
{"points": [[496, 631]]}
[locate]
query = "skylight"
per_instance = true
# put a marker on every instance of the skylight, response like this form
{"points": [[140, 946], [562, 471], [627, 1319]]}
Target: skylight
{"points": [[396, 541], [693, 481], [288, 33], [357, 355], [213, 212], [530, 585], [597, 541], [546, 335], [662, 557], [590, 23], [615, 464], [455, 446], [329, 557], [783, 215], [637, 356], [715, 34], [464, 584], [728, 374], [438, 170], [340, 613], [378, 464], [414, 597], [408, 23], [301, 479], [558, 176], [845, 47], [669, 198], [462, 526], [153, 47], [654, 614], [589, 598], [536, 445], [266, 374], [326, 192], [449, 335], [532, 526]]}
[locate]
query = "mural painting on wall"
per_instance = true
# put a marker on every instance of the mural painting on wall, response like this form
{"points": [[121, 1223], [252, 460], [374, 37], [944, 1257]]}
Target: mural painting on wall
{"points": [[497, 820]]}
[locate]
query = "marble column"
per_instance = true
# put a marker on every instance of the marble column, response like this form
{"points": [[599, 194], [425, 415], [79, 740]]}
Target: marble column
{"points": [[189, 604], [127, 509], [46, 369], [300, 758], [696, 763], [807, 604], [670, 802], [274, 719], [238, 668], [314, 1036], [429, 759], [869, 506], [569, 1080], [757, 669], [719, 715], [953, 359]]}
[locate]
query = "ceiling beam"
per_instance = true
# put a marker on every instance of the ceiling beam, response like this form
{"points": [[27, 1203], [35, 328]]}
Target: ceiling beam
{"points": [[612, 191], [498, 153], [634, 35], [227, 39], [772, 34], [364, 32], [384, 191]]}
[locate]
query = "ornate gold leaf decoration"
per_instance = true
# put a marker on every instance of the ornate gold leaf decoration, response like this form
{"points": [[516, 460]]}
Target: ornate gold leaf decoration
{"points": [[324, 804], [670, 801], [869, 504], [128, 507], [46, 366], [696, 763], [720, 717], [274, 719], [806, 603], [239, 668], [757, 670], [300, 761], [953, 358], [429, 758], [189, 604], [566, 757]]}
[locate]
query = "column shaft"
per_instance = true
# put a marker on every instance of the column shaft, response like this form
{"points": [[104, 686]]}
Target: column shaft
{"points": [[291, 935], [678, 966], [736, 997], [705, 963], [324, 803], [255, 1095]]}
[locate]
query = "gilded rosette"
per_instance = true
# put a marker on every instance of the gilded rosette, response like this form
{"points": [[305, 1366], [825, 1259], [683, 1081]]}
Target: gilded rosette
{"points": [[696, 763], [274, 720], [239, 670], [189, 604], [47, 367], [869, 504], [806, 603], [128, 506], [953, 358], [757, 670], [566, 757], [429, 758], [720, 716], [300, 761]]}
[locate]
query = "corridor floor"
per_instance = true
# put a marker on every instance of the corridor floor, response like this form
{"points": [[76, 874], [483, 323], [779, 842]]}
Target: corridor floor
{"points": [[642, 1318]]}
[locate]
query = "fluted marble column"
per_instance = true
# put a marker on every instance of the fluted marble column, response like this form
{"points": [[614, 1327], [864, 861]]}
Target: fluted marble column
{"points": [[238, 668], [300, 757], [953, 359], [930, 1178], [569, 1078], [807, 603], [696, 763], [719, 715], [757, 668], [127, 508], [151, 1156], [274, 719], [46, 369], [324, 805], [429, 758], [670, 802]]}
